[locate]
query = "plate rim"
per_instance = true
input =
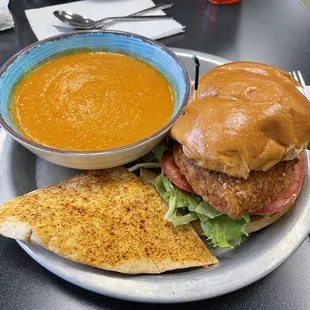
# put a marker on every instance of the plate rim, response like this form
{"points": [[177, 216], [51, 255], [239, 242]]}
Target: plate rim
{"points": [[301, 231]]}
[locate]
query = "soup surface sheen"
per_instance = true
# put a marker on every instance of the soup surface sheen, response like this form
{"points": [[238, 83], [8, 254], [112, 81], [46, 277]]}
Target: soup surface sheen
{"points": [[91, 101]]}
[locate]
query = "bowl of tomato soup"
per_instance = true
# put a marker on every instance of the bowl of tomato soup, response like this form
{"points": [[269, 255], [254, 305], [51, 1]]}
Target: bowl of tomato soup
{"points": [[92, 100]]}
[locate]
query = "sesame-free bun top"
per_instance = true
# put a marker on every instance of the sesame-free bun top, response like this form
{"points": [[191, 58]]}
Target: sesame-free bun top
{"points": [[247, 116]]}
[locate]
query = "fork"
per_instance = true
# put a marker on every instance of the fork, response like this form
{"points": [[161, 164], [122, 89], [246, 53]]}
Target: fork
{"points": [[299, 78]]}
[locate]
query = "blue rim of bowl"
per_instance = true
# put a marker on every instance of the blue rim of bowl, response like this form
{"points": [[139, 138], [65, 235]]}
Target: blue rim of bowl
{"points": [[126, 147]]}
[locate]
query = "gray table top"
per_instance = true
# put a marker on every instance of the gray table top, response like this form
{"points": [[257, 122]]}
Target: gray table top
{"points": [[269, 31]]}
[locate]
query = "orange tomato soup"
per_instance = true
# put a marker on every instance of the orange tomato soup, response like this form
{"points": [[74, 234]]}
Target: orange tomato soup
{"points": [[91, 101]]}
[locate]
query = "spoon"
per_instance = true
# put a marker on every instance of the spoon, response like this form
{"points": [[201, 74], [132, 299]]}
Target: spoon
{"points": [[83, 22], [88, 25]]}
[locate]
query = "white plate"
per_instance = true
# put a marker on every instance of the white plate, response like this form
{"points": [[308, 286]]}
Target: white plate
{"points": [[262, 252]]}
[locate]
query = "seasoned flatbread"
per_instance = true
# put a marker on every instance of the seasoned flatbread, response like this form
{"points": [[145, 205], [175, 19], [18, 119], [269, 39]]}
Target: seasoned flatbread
{"points": [[107, 219]]}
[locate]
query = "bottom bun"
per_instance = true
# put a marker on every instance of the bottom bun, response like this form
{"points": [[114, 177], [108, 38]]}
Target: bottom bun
{"points": [[266, 221], [253, 225]]}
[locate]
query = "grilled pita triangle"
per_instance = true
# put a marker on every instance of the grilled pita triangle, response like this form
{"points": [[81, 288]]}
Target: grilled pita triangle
{"points": [[107, 219]]}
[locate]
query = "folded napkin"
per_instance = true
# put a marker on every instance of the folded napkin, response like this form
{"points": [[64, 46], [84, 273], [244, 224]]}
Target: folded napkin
{"points": [[42, 20], [6, 19]]}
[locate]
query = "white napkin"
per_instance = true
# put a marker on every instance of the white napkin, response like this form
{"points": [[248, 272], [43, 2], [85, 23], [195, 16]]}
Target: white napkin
{"points": [[42, 20], [6, 19]]}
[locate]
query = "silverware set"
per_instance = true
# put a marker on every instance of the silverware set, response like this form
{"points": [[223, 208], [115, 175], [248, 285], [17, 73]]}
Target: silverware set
{"points": [[80, 22]]}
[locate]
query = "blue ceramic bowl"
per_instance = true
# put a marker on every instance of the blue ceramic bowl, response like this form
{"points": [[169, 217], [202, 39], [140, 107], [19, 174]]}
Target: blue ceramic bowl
{"points": [[151, 52]]}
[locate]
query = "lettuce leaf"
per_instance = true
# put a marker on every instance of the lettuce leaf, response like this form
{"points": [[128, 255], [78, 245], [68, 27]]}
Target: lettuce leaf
{"points": [[223, 230], [176, 199], [220, 229], [206, 210], [159, 150], [163, 186], [184, 219], [156, 154], [152, 159], [184, 207]]}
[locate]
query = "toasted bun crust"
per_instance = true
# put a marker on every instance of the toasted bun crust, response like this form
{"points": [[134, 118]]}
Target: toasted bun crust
{"points": [[247, 117], [266, 221]]}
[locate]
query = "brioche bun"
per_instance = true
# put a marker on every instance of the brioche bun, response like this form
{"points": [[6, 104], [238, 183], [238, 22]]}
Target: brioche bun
{"points": [[247, 116]]}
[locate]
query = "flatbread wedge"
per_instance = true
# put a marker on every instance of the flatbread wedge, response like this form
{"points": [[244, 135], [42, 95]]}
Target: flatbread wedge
{"points": [[107, 219]]}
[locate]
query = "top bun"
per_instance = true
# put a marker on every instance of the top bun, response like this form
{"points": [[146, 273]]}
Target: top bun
{"points": [[247, 116]]}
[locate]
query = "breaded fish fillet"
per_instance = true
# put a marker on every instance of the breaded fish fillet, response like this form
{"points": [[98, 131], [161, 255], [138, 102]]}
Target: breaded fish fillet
{"points": [[235, 196]]}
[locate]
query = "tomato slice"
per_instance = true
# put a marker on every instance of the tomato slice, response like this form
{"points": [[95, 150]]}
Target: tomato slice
{"points": [[172, 171], [289, 194]]}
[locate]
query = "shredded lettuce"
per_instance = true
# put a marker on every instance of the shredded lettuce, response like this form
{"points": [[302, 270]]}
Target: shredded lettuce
{"points": [[220, 229]]}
